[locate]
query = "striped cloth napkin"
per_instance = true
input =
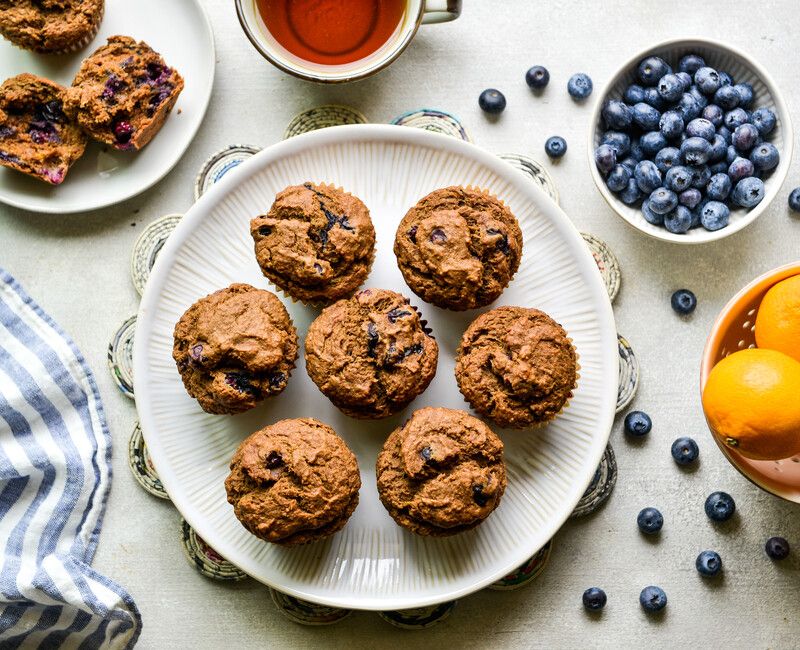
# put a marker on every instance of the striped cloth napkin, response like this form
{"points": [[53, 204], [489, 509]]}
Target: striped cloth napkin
{"points": [[55, 475]]}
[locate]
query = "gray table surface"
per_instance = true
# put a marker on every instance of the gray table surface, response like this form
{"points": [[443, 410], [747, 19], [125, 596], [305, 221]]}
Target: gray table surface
{"points": [[77, 268]]}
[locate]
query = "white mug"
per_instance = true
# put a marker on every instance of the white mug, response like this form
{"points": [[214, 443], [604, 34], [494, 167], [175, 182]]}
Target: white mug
{"points": [[417, 12]]}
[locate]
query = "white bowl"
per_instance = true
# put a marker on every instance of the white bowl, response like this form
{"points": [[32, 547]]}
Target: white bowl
{"points": [[742, 68]]}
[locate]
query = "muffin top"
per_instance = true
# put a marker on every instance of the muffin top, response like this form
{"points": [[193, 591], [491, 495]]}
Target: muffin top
{"points": [[293, 482], [441, 472], [316, 242], [458, 248], [371, 354], [234, 348], [49, 25], [516, 366]]}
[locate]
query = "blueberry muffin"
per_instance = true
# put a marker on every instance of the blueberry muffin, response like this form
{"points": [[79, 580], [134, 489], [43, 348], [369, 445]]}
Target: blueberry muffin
{"points": [[234, 348], [36, 136], [458, 248], [371, 355], [441, 473], [123, 93], [316, 243], [50, 26], [516, 366], [293, 482]]}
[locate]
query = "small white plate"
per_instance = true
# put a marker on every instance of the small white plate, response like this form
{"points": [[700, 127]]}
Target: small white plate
{"points": [[180, 31], [372, 563]]}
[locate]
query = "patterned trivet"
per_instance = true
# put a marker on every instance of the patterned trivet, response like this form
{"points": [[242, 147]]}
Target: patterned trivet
{"points": [[603, 482], [120, 357], [628, 374], [435, 120], [305, 613], [322, 117], [220, 164], [607, 263], [533, 170], [148, 246], [205, 559], [141, 465], [419, 618], [526, 573]]}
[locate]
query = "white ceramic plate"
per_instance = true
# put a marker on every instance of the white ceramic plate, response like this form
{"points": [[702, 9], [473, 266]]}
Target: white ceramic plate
{"points": [[372, 563], [179, 30]]}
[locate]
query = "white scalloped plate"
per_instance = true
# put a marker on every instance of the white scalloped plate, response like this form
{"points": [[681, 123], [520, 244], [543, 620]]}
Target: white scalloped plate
{"points": [[372, 563]]}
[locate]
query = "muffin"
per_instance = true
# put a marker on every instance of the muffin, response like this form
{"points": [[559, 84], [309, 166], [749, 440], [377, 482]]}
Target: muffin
{"points": [[293, 482], [458, 248], [36, 137], [371, 355], [316, 243], [50, 26], [123, 93], [234, 348], [441, 473], [516, 366]]}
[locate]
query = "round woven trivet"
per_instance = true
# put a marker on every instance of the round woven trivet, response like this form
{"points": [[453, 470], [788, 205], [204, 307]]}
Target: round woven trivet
{"points": [[120, 357], [603, 482], [305, 613], [526, 573], [322, 117], [607, 262], [419, 618], [628, 374], [148, 246], [533, 170], [432, 119], [205, 559], [221, 163], [141, 465]]}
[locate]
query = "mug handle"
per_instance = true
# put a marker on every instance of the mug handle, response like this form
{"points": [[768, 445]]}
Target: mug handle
{"points": [[440, 11]]}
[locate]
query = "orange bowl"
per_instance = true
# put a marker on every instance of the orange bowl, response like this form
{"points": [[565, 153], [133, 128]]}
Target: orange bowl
{"points": [[735, 330]]}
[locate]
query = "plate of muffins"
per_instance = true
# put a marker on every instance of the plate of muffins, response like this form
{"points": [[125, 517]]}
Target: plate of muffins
{"points": [[376, 367], [98, 99]]}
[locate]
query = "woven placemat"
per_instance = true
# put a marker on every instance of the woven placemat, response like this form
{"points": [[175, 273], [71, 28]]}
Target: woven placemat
{"points": [[628, 374], [601, 487], [120, 357], [148, 246], [607, 262], [205, 559], [219, 164], [432, 119], [306, 613], [322, 117], [142, 466], [526, 573], [419, 618], [533, 170]]}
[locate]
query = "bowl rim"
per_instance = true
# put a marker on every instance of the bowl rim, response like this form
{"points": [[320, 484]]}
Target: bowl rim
{"points": [[776, 182], [768, 279]]}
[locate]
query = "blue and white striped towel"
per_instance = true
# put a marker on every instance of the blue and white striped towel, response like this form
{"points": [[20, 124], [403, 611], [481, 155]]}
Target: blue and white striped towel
{"points": [[55, 475]]}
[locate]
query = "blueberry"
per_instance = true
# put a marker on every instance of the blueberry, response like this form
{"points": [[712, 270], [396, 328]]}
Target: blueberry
{"points": [[650, 521], [478, 495], [701, 174], [713, 114], [663, 200], [123, 132], [777, 548], [667, 158], [676, 179], [794, 200], [719, 149], [707, 80], [691, 63], [695, 151], [651, 143], [701, 128], [719, 187], [745, 92], [725, 79], [652, 98], [671, 125], [638, 423], [652, 69], [492, 101], [726, 97], [688, 107], [720, 506], [537, 77], [725, 133], [679, 220], [617, 114], [633, 94], [240, 382], [631, 194], [685, 451], [630, 163], [274, 460], [709, 563], [579, 86], [653, 599], [731, 154], [714, 215], [636, 151], [670, 87], [749, 192], [683, 302], [765, 156], [736, 118], [764, 120], [617, 179], [686, 80], [645, 116], [604, 157], [620, 142], [699, 97], [741, 168], [697, 214], [690, 198], [594, 599], [745, 137], [556, 147], [720, 167], [52, 111], [650, 216], [647, 176]]}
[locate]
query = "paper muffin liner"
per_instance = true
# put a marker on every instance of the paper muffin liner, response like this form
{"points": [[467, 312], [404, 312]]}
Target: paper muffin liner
{"points": [[77, 46]]}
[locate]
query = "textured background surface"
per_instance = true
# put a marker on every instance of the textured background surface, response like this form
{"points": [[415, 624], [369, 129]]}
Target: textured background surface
{"points": [[77, 267]]}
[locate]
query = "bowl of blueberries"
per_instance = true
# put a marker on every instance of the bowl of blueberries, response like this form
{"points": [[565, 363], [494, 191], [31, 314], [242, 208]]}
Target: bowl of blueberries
{"points": [[691, 142]]}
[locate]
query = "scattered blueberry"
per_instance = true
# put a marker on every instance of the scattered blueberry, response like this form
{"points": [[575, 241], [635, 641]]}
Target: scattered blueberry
{"points": [[579, 86], [537, 77], [663, 200], [749, 192], [492, 101], [679, 221], [638, 424], [764, 120], [719, 187], [594, 599], [653, 599], [617, 179], [714, 215], [777, 548], [556, 147], [709, 563], [652, 69], [685, 451], [794, 200], [691, 63], [765, 156], [720, 506], [683, 302], [647, 176]]}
